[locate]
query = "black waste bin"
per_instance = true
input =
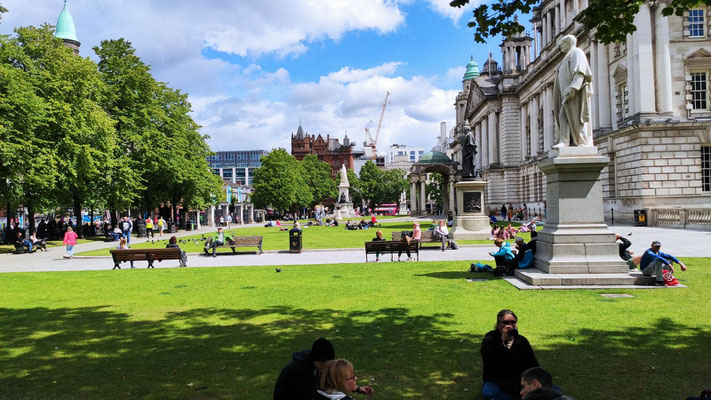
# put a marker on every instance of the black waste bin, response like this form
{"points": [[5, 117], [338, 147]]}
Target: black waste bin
{"points": [[141, 229], [640, 217], [295, 240], [171, 227]]}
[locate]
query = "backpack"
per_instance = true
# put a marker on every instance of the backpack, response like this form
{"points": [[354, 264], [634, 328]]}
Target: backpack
{"points": [[453, 245]]}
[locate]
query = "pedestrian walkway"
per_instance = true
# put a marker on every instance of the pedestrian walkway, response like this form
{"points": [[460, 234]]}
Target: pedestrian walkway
{"points": [[680, 243]]}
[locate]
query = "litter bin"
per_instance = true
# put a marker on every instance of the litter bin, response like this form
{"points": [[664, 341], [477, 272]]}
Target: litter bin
{"points": [[295, 240], [640, 217], [141, 228], [171, 227]]}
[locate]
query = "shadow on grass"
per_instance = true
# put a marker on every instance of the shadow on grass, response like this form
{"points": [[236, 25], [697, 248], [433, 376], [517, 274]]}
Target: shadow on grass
{"points": [[459, 275], [221, 353]]}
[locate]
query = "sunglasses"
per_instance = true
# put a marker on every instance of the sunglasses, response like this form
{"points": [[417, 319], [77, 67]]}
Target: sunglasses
{"points": [[508, 322]]}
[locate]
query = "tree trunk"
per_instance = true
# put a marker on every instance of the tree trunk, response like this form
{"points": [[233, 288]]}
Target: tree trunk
{"points": [[77, 213], [113, 213], [31, 216], [10, 215]]}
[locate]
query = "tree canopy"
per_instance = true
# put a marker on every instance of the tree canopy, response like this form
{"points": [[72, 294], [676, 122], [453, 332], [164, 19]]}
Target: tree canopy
{"points": [[611, 20]]}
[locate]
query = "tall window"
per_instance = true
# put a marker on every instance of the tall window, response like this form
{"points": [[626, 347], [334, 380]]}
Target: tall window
{"points": [[706, 168], [699, 88], [696, 23]]}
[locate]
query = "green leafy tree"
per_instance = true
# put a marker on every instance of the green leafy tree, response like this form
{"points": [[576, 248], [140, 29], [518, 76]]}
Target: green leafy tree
{"points": [[436, 189], [611, 20], [378, 186], [280, 183], [81, 133], [317, 175]]}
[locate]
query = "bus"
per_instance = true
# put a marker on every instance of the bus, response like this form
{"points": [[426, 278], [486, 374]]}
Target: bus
{"points": [[386, 209]]}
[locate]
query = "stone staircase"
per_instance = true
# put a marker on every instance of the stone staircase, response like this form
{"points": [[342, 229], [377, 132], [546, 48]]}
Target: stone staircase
{"points": [[537, 279]]}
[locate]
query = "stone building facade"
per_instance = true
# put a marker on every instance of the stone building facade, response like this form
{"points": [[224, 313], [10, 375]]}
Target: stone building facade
{"points": [[328, 150], [651, 114]]}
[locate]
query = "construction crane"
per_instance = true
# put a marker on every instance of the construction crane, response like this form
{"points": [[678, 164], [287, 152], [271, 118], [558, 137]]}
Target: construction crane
{"points": [[370, 142]]}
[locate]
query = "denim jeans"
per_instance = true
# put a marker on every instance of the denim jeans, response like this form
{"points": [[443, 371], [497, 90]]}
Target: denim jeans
{"points": [[655, 268], [27, 243], [492, 391], [70, 250]]}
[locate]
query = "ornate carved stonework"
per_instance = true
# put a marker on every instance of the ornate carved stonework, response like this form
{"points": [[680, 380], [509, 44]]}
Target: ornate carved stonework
{"points": [[476, 96]]}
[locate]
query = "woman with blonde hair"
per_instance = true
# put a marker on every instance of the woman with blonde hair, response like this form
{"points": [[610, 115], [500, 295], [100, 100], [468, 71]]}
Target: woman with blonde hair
{"points": [[338, 380]]}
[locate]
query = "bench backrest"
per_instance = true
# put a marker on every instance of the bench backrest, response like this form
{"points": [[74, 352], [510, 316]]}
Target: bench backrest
{"points": [[426, 236], [142, 254], [248, 240], [388, 246]]}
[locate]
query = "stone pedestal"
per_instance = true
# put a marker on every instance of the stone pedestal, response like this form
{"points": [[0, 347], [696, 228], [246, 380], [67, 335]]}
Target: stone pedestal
{"points": [[471, 223], [575, 238]]}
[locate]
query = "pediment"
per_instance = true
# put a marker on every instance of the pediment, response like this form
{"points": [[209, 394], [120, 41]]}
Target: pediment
{"points": [[476, 97], [620, 73], [319, 141], [699, 53]]}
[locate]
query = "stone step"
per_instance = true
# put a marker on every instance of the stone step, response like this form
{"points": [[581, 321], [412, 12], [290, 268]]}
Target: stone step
{"points": [[539, 278]]}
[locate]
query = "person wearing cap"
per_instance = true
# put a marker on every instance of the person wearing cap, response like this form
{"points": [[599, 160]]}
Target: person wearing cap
{"points": [[218, 240], [300, 378], [653, 262]]}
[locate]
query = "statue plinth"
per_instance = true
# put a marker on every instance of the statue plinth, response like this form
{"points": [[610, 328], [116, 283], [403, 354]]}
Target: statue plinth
{"points": [[575, 238], [471, 223]]}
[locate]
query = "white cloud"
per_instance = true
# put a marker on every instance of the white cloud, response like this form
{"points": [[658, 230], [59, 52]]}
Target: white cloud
{"points": [[455, 73], [443, 8]]}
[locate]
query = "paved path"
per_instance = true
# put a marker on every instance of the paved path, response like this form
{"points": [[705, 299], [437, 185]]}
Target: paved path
{"points": [[681, 243]]}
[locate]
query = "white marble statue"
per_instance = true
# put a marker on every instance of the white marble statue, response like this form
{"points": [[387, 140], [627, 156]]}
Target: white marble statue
{"points": [[344, 176], [571, 96]]}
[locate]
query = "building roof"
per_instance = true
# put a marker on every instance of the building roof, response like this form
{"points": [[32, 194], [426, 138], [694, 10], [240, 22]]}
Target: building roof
{"points": [[300, 132], [472, 70], [65, 25], [434, 157]]}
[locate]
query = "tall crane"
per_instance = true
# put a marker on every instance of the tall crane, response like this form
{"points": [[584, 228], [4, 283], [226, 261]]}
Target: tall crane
{"points": [[370, 142]]}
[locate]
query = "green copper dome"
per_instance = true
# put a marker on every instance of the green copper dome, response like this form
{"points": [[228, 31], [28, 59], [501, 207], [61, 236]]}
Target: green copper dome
{"points": [[434, 157], [65, 25], [472, 70]]}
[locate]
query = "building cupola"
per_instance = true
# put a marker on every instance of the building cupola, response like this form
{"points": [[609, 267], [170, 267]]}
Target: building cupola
{"points": [[66, 30]]}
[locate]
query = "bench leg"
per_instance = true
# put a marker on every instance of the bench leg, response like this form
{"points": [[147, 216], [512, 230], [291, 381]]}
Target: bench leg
{"points": [[116, 266]]}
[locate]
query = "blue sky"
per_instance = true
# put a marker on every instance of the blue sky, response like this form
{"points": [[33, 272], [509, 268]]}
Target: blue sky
{"points": [[253, 70]]}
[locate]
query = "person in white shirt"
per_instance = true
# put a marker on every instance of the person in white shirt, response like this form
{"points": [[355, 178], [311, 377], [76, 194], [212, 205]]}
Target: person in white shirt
{"points": [[442, 233]]}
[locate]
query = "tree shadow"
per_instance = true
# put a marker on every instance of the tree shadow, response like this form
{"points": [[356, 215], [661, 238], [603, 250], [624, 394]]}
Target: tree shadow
{"points": [[209, 353], [459, 275]]}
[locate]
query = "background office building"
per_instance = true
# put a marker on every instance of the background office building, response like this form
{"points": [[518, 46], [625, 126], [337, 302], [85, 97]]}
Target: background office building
{"points": [[236, 166]]}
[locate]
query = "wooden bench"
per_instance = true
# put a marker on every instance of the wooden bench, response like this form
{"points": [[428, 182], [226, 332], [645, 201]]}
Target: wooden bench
{"points": [[392, 247], [149, 255], [426, 237], [239, 241]]}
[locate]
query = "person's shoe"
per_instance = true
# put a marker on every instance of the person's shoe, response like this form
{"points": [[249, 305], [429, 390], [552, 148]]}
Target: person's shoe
{"points": [[659, 283], [377, 259], [214, 256]]}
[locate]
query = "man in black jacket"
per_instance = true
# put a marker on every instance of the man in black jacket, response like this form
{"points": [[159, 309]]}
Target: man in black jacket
{"points": [[299, 379], [625, 253]]}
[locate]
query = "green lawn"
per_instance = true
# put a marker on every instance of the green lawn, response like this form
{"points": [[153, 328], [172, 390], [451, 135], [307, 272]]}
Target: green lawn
{"points": [[415, 328], [9, 248], [315, 237]]}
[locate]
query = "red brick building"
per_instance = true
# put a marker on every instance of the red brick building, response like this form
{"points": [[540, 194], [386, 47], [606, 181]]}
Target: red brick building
{"points": [[328, 150]]}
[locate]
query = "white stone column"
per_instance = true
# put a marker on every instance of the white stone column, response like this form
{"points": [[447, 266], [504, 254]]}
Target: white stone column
{"points": [[535, 40], [631, 98], [251, 213], [485, 134], [452, 204], [534, 125], [594, 117], [561, 13], [222, 173], [544, 30], [603, 86], [524, 115], [546, 100], [197, 219], [557, 20], [663, 62], [493, 139], [211, 222], [234, 175], [413, 196], [477, 138], [486, 160], [575, 7], [645, 67], [246, 176], [423, 195]]}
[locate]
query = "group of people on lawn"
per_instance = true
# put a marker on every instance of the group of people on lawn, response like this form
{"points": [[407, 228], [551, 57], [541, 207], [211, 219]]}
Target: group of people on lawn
{"points": [[510, 370]]}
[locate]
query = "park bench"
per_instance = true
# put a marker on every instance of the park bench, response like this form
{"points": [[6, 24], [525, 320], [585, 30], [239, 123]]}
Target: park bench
{"points": [[149, 255], [38, 245], [426, 237], [392, 247], [239, 241]]}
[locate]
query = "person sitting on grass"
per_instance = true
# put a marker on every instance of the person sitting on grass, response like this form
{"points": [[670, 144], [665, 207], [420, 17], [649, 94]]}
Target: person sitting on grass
{"points": [[373, 220], [362, 224], [537, 384], [300, 378], [173, 243], [521, 249], [378, 238], [408, 237], [510, 232], [338, 380], [505, 354], [653, 262], [504, 258]]}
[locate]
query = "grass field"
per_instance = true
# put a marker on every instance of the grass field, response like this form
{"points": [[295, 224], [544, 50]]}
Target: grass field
{"points": [[415, 328], [315, 237]]}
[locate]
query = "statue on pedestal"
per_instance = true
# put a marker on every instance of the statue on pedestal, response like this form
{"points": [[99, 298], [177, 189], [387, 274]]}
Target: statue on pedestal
{"points": [[468, 152], [571, 96]]}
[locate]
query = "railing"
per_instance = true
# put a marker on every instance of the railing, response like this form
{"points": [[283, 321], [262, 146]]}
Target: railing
{"points": [[698, 218]]}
